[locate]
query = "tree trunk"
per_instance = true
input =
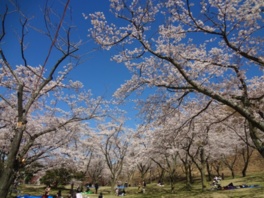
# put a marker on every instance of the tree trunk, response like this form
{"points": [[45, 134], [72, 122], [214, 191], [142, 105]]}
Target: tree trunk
{"points": [[11, 166], [12, 163], [259, 144], [217, 168], [6, 180], [203, 168], [190, 173], [231, 168], [208, 171], [112, 188], [161, 176], [230, 163], [187, 170], [172, 183], [244, 171], [246, 154], [233, 173], [188, 176], [113, 184]]}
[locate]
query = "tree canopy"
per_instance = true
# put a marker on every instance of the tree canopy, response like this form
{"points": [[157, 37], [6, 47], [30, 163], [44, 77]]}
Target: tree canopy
{"points": [[189, 50]]}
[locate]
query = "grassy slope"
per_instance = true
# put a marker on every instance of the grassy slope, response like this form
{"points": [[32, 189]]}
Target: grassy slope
{"points": [[154, 191]]}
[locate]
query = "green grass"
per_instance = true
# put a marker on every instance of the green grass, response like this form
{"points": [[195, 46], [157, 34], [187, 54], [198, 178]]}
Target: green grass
{"points": [[154, 191]]}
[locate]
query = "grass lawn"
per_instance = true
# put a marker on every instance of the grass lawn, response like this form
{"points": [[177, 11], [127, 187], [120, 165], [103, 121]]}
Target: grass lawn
{"points": [[154, 191]]}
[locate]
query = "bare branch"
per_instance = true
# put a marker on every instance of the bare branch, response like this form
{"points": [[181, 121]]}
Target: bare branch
{"points": [[3, 24]]}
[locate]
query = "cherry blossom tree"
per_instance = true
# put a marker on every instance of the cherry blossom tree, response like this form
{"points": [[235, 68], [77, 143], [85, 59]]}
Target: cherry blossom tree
{"points": [[191, 48], [216, 131], [114, 145], [130, 167], [196, 133], [168, 160], [195, 147], [141, 158], [163, 140], [233, 131], [40, 109], [187, 169], [143, 167], [242, 146], [90, 159]]}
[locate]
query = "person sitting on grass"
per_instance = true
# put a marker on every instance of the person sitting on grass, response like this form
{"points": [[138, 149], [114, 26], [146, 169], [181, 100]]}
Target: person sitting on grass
{"points": [[46, 192], [88, 191], [101, 195], [117, 191]]}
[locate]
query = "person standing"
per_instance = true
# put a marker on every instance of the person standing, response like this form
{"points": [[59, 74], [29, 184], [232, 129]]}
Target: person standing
{"points": [[96, 186], [144, 187], [59, 194]]}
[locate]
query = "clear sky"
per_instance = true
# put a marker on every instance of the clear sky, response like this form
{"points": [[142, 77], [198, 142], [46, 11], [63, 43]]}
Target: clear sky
{"points": [[96, 71], [103, 75]]}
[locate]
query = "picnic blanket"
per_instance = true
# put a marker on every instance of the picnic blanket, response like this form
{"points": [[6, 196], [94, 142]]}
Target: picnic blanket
{"points": [[232, 187]]}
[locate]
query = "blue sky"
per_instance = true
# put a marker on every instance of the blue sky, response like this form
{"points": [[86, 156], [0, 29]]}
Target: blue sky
{"points": [[96, 72], [103, 75]]}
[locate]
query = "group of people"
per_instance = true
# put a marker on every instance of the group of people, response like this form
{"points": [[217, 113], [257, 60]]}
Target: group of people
{"points": [[217, 182], [142, 187], [73, 193], [47, 193], [120, 191], [79, 193]]}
